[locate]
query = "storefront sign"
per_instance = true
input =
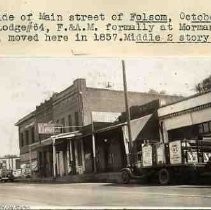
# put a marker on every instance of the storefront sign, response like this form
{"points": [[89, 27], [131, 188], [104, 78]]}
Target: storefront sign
{"points": [[105, 116], [46, 128], [160, 153], [175, 152], [192, 157], [147, 155]]}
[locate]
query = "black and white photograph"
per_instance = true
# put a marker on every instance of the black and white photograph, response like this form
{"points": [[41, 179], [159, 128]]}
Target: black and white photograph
{"points": [[94, 132]]}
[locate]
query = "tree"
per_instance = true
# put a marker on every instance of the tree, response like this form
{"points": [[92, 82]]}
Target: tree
{"points": [[203, 86]]}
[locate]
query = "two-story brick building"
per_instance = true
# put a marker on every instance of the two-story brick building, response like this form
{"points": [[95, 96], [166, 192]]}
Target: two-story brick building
{"points": [[70, 109]]}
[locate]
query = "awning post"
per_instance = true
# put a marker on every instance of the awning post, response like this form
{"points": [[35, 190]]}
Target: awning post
{"points": [[54, 157], [93, 145]]}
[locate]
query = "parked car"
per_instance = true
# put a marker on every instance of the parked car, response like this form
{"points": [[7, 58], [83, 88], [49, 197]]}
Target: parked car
{"points": [[6, 175]]}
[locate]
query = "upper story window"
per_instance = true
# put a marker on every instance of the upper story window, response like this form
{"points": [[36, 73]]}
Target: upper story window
{"points": [[70, 122], [63, 125], [76, 120], [32, 134], [27, 137], [21, 140]]}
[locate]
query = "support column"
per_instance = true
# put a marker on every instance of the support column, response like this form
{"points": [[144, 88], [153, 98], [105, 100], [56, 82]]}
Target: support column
{"points": [[82, 153], [93, 146], [94, 152], [71, 158], [30, 159], [54, 158], [71, 152], [67, 159]]}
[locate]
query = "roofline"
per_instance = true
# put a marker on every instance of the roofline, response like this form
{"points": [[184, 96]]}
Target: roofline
{"points": [[26, 117], [9, 157], [187, 98], [144, 93]]}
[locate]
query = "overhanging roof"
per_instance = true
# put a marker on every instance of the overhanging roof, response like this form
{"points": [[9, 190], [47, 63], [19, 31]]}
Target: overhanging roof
{"points": [[66, 135], [137, 126], [49, 141], [186, 104]]}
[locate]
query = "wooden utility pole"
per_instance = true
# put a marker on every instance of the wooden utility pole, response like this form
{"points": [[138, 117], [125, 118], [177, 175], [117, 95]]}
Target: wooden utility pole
{"points": [[129, 160]]}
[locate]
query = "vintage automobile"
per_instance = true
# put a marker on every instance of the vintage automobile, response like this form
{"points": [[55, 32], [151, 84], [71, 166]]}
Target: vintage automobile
{"points": [[6, 175], [180, 161]]}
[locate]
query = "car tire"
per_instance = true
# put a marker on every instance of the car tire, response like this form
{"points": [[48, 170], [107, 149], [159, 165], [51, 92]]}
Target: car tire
{"points": [[164, 176], [125, 177]]}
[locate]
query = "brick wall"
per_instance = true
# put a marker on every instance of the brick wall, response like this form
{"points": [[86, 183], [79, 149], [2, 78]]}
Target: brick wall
{"points": [[104, 100]]}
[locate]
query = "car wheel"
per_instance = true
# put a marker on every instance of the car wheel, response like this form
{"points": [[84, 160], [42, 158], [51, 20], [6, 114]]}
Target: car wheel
{"points": [[125, 177], [164, 176]]}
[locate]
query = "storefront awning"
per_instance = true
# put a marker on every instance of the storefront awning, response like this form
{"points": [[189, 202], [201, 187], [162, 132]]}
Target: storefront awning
{"points": [[69, 135], [137, 126], [188, 119], [49, 141]]}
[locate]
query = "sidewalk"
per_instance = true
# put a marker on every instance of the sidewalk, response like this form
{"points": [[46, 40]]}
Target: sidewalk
{"points": [[110, 177]]}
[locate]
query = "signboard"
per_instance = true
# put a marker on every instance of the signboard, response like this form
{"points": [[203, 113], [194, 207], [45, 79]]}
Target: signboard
{"points": [[206, 156], [175, 152], [105, 116], [160, 151], [192, 157], [147, 155], [46, 128]]}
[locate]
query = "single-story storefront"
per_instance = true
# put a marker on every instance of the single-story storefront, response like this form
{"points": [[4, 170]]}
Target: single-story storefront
{"points": [[187, 119], [100, 147]]}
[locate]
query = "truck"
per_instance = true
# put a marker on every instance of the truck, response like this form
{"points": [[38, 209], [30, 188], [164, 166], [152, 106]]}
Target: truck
{"points": [[178, 161]]}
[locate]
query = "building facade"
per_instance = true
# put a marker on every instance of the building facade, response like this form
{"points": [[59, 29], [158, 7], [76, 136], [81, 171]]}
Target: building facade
{"points": [[10, 163], [67, 149], [187, 119]]}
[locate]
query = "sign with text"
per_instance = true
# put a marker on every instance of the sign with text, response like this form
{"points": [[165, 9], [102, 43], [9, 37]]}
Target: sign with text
{"points": [[46, 128], [147, 155], [160, 149], [105, 116], [175, 152]]}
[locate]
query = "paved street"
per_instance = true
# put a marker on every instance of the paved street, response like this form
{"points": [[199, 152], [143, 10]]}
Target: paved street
{"points": [[104, 194]]}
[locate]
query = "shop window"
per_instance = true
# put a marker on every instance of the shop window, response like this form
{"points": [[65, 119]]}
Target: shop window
{"points": [[201, 128], [206, 127]]}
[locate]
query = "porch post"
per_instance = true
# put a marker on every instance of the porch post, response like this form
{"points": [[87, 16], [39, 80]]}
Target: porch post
{"points": [[54, 158], [30, 159], [82, 153], [67, 159], [93, 145]]}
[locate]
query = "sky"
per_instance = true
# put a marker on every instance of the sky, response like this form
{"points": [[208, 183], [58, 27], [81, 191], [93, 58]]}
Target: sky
{"points": [[26, 82]]}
